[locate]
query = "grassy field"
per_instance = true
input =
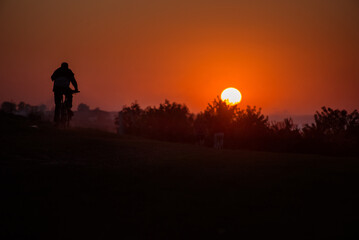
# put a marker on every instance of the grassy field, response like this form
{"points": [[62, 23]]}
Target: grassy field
{"points": [[85, 184]]}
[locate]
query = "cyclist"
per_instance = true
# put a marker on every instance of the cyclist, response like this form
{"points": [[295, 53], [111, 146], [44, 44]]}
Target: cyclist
{"points": [[62, 78]]}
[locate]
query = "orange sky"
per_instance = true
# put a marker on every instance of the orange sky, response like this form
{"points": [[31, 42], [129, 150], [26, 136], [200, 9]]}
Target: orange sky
{"points": [[284, 56]]}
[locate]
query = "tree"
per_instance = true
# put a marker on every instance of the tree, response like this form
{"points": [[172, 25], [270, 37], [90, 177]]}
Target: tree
{"points": [[217, 117], [170, 121], [251, 129], [8, 107], [286, 136], [129, 119], [242, 128], [285, 127], [330, 123], [82, 107], [334, 131]]}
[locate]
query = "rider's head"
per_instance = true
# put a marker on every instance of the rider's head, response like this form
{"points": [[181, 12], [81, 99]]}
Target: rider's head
{"points": [[64, 65]]}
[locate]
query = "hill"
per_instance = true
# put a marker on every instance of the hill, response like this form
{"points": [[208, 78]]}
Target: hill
{"points": [[78, 183]]}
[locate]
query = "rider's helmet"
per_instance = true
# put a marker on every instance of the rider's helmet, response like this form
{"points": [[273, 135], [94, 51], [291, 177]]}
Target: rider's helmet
{"points": [[65, 65]]}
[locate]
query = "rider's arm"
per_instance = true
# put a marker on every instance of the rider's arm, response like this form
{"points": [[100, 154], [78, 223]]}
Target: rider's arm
{"points": [[71, 76], [74, 83]]}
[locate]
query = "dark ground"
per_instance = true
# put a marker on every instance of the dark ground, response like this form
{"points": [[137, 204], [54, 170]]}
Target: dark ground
{"points": [[84, 184]]}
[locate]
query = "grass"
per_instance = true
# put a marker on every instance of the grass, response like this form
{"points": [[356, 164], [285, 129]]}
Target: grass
{"points": [[86, 184]]}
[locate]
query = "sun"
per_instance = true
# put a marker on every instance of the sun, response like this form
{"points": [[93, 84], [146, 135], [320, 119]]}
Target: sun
{"points": [[231, 96]]}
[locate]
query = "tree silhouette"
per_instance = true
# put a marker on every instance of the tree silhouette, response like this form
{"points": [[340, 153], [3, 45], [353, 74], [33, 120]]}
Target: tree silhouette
{"points": [[286, 136], [285, 128], [169, 121], [8, 107], [131, 119], [241, 128], [334, 131], [82, 107], [330, 123], [220, 115]]}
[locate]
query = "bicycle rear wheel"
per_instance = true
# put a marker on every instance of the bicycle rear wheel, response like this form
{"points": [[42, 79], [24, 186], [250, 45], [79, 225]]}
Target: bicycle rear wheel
{"points": [[64, 116]]}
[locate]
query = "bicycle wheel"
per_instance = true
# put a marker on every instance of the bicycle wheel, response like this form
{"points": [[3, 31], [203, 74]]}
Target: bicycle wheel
{"points": [[68, 117], [64, 115]]}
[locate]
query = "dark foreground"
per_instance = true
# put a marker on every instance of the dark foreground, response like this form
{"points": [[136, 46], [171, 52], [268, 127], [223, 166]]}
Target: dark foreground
{"points": [[82, 184]]}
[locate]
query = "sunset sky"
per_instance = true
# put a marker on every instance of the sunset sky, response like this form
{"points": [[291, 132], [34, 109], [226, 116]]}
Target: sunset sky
{"points": [[285, 56]]}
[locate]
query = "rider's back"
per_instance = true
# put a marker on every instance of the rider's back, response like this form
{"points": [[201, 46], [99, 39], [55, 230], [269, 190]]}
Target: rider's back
{"points": [[62, 78]]}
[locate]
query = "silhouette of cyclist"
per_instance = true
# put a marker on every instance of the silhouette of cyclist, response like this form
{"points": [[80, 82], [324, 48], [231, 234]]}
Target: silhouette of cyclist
{"points": [[62, 78]]}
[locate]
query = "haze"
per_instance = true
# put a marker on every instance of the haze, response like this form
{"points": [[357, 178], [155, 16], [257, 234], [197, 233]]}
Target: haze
{"points": [[284, 56]]}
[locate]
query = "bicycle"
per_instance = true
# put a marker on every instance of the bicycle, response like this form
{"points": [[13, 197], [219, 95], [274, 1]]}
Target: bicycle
{"points": [[65, 109]]}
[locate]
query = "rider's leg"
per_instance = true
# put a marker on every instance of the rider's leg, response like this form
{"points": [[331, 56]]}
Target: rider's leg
{"points": [[69, 100], [58, 98], [69, 103]]}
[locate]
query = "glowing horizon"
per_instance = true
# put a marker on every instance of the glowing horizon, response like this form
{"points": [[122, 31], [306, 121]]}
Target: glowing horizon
{"points": [[286, 57]]}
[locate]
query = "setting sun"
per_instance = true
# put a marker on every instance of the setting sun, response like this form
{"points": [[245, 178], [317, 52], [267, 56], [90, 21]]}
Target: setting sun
{"points": [[231, 96]]}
